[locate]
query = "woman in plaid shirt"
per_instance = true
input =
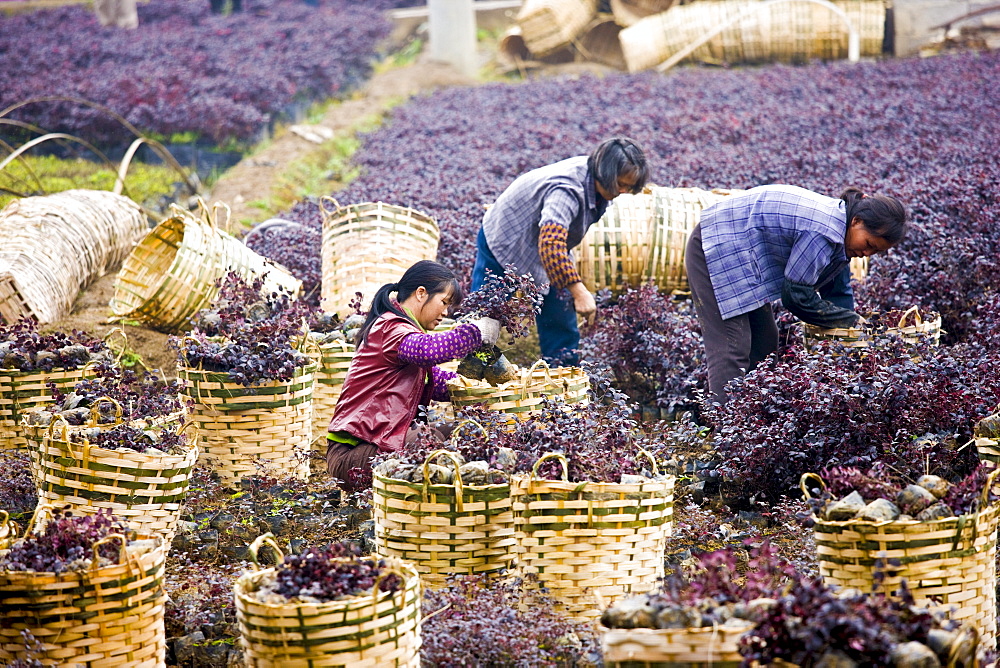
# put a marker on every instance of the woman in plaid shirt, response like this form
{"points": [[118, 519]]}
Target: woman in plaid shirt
{"points": [[541, 217], [778, 242]]}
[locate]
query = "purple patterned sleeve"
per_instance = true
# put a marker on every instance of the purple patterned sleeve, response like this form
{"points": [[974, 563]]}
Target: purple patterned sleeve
{"points": [[440, 379], [427, 350]]}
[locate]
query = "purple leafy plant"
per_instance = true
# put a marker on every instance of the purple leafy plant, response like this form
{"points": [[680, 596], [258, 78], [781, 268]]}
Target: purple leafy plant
{"points": [[66, 542], [514, 300]]}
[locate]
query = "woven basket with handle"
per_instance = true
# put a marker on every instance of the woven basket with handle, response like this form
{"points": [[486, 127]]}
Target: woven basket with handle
{"points": [[523, 397], [99, 616], [947, 563], [172, 273], [549, 25], [368, 245], [697, 646], [333, 359], [444, 529], [238, 426], [22, 391], [928, 331], [144, 489], [366, 631], [591, 543]]}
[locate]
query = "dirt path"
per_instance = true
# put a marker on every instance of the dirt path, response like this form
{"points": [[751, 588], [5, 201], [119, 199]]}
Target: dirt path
{"points": [[250, 180]]}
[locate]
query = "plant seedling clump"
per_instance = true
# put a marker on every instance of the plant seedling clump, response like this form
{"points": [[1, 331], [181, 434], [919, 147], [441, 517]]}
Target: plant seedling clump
{"points": [[66, 544], [24, 348]]}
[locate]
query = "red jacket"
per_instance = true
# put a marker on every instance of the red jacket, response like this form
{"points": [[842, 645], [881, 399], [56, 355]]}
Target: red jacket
{"points": [[381, 395]]}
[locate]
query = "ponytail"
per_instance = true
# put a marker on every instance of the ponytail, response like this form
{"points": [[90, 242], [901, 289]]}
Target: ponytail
{"points": [[882, 215], [432, 276]]}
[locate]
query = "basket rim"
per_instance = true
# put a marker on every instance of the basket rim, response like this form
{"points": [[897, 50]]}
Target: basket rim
{"points": [[992, 508]]}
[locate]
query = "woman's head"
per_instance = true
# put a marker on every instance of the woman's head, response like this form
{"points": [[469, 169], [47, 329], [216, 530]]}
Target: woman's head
{"points": [[875, 223], [428, 289], [618, 166]]}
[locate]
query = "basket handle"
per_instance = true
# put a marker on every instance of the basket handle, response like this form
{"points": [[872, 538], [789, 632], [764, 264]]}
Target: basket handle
{"points": [[332, 200], [121, 332], [458, 428], [552, 455], [531, 370], [181, 349], [383, 574], [95, 411], [984, 496], [258, 542], [652, 460], [59, 419], [41, 510], [122, 556], [916, 316], [806, 477], [457, 481]]}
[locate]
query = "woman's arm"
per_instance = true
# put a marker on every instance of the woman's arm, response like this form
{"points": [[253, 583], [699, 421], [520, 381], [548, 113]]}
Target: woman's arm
{"points": [[810, 256], [428, 350]]}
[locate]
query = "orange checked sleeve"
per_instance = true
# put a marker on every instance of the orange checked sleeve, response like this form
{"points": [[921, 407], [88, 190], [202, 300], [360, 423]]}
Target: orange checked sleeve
{"points": [[556, 258]]}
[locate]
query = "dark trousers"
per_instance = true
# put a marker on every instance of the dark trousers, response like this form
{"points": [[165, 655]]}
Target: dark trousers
{"points": [[558, 332], [732, 346]]}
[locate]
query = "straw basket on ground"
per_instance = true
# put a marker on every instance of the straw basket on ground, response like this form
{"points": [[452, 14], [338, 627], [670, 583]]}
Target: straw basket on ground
{"points": [[99, 616], [172, 273], [239, 427], [144, 489], [947, 563], [986, 433], [333, 359], [444, 529], [703, 646], [548, 25], [368, 245], [628, 12], [921, 331], [367, 631], [24, 391], [523, 397], [592, 543], [786, 32], [599, 43], [55, 245]]}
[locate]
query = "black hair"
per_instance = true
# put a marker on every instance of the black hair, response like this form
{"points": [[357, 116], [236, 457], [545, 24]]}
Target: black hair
{"points": [[616, 157], [432, 276], [882, 215]]}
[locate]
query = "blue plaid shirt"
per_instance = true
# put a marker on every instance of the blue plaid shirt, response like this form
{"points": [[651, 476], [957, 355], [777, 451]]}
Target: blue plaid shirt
{"points": [[561, 193], [755, 240]]}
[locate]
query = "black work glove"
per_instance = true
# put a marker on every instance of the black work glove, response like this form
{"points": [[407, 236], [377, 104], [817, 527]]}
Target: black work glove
{"points": [[806, 305]]}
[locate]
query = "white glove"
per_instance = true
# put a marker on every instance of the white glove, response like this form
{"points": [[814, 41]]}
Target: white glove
{"points": [[489, 329]]}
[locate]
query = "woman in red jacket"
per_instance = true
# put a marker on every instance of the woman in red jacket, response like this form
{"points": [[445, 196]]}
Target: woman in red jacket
{"points": [[394, 369]]}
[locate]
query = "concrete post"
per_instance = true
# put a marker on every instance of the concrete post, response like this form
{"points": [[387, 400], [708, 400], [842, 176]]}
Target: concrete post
{"points": [[452, 26]]}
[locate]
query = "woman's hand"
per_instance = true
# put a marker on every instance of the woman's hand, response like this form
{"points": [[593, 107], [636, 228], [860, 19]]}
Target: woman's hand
{"points": [[583, 301], [489, 329]]}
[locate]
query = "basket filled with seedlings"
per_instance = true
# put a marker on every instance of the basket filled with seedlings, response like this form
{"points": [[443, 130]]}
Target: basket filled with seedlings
{"points": [[942, 535], [987, 438], [447, 511], [329, 606], [728, 612], [33, 366], [87, 590], [331, 347], [910, 325], [250, 387], [592, 513]]}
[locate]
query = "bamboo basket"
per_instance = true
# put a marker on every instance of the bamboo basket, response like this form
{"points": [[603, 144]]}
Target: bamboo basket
{"points": [[13, 307], [590, 544], [616, 249], [949, 564], [145, 490], [859, 268], [333, 359], [367, 631], [629, 12], [697, 646], [923, 331], [100, 616], [238, 426], [444, 529], [23, 391], [523, 397], [55, 245], [599, 43], [172, 273], [549, 25], [368, 245], [785, 32]]}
